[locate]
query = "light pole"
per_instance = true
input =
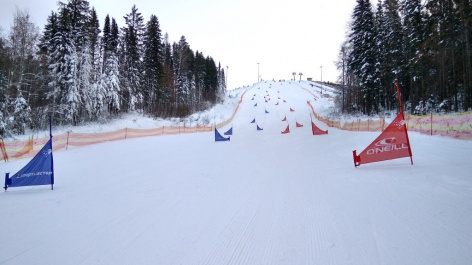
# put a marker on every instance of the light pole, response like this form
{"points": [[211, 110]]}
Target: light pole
{"points": [[300, 76], [258, 73], [294, 73]]}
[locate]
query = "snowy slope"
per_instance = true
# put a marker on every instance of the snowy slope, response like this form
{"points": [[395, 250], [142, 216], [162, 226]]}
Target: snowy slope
{"points": [[262, 198]]}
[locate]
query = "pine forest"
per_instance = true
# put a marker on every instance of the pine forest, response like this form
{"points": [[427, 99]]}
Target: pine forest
{"points": [[424, 45], [78, 71]]}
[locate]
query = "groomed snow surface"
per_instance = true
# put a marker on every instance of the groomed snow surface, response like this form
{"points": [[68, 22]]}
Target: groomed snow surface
{"points": [[262, 198]]}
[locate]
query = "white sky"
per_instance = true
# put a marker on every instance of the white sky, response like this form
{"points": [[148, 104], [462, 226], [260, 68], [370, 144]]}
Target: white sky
{"points": [[283, 36]]}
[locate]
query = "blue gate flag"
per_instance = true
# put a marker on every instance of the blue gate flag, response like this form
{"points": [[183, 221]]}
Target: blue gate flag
{"points": [[259, 128], [219, 138], [253, 121], [39, 171], [229, 132]]}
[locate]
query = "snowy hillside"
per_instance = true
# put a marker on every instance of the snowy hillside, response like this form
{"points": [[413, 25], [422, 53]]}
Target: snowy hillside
{"points": [[261, 198]]}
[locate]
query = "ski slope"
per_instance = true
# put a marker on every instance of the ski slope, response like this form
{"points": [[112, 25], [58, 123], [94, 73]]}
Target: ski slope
{"points": [[262, 198]]}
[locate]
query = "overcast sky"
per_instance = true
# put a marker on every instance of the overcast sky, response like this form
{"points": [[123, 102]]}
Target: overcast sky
{"points": [[282, 36]]}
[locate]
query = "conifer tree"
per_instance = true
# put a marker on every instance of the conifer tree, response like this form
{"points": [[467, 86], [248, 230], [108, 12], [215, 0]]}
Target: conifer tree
{"points": [[21, 115], [211, 80], [414, 35], [153, 65], [4, 97], [132, 52], [393, 42], [183, 64], [111, 76], [362, 59]]}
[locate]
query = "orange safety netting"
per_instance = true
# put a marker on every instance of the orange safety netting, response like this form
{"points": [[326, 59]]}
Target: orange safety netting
{"points": [[458, 125], [365, 125], [29, 148], [330, 123]]}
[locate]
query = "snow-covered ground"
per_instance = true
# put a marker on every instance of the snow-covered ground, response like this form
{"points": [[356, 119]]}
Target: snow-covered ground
{"points": [[262, 198]]}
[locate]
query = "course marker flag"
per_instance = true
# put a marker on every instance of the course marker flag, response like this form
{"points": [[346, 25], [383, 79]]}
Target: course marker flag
{"points": [[298, 124], [287, 130], [259, 128], [229, 132], [38, 171], [392, 143], [219, 137], [315, 130]]}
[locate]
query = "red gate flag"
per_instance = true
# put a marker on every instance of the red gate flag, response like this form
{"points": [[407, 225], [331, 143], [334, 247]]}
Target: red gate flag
{"points": [[392, 143], [317, 131], [287, 130], [298, 124]]}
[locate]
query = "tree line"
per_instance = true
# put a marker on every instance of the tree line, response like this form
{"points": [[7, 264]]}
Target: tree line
{"points": [[425, 45], [78, 72]]}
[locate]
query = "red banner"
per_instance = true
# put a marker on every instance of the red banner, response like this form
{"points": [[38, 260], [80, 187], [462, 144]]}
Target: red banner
{"points": [[287, 130], [392, 143], [317, 131]]}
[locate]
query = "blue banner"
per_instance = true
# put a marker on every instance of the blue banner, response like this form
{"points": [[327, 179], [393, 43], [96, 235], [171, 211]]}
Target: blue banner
{"points": [[229, 132], [219, 137], [39, 171]]}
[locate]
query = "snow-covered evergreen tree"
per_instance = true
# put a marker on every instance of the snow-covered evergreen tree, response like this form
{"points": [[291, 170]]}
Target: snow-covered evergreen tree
{"points": [[4, 98], [168, 72], [414, 35], [394, 40], [363, 58], [131, 63], [92, 29], [152, 87], [110, 80], [183, 60], [21, 115]]}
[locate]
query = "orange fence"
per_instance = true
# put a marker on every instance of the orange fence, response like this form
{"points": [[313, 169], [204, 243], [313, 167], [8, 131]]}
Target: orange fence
{"points": [[458, 126], [29, 148], [365, 125], [330, 123]]}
